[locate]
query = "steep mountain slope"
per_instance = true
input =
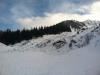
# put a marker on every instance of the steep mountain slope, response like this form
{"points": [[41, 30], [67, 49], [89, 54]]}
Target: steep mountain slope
{"points": [[72, 24]]}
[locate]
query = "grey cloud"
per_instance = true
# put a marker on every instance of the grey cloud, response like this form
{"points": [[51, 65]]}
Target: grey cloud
{"points": [[13, 9]]}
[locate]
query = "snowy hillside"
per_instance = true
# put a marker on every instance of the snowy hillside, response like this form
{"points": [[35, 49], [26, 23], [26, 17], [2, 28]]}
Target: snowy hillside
{"points": [[68, 53], [65, 41]]}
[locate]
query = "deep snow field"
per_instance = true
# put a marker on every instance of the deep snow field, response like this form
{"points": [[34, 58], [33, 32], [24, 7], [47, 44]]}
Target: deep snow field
{"points": [[84, 61]]}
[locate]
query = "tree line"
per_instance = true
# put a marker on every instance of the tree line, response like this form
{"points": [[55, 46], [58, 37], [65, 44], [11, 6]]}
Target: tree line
{"points": [[11, 37]]}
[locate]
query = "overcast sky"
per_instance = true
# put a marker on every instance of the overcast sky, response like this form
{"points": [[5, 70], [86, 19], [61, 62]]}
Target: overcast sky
{"points": [[32, 13]]}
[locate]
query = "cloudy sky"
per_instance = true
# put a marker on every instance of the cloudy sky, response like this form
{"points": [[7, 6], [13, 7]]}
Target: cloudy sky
{"points": [[32, 13]]}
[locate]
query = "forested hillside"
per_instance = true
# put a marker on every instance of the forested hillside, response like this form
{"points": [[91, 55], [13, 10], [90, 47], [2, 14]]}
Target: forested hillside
{"points": [[11, 37]]}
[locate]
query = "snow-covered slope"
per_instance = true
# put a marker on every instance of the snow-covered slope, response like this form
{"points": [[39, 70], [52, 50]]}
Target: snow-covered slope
{"points": [[90, 23], [63, 42], [69, 53]]}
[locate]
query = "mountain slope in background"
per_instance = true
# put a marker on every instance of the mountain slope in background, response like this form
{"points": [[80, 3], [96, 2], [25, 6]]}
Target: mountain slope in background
{"points": [[12, 37], [69, 40]]}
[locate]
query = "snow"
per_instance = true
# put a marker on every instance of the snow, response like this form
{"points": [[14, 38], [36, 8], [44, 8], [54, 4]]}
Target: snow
{"points": [[40, 57], [83, 61]]}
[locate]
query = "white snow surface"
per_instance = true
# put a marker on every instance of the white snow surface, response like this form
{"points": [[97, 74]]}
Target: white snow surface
{"points": [[40, 57]]}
